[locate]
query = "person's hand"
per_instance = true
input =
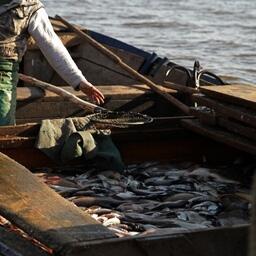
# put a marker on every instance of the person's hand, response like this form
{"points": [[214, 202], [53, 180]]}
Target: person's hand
{"points": [[92, 92]]}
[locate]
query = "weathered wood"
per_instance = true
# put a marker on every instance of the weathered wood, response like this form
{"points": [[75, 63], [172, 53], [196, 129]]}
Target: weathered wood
{"points": [[88, 53], [181, 88], [42, 213], [20, 121], [227, 110], [115, 92], [15, 245], [243, 95], [69, 39], [221, 136], [39, 159], [238, 128], [97, 68], [32, 129], [33, 105], [212, 118], [61, 92], [162, 140], [159, 90], [14, 142], [48, 110], [28, 129], [37, 111], [57, 25], [220, 241]]}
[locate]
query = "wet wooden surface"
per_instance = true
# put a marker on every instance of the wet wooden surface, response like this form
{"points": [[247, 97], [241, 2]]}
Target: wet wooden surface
{"points": [[244, 95], [42, 213]]}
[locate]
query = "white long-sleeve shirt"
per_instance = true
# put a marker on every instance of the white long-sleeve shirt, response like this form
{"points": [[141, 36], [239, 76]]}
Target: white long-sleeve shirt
{"points": [[41, 30]]}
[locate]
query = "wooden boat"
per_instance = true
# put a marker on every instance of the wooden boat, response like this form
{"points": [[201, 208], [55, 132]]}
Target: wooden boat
{"points": [[166, 139], [122, 91]]}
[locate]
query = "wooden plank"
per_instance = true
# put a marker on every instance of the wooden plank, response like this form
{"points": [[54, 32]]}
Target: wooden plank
{"points": [[213, 119], [20, 121], [97, 68], [231, 241], [16, 142], [162, 140], [231, 111], [69, 39], [214, 133], [19, 130], [36, 111], [117, 92], [15, 245], [48, 110], [243, 95], [32, 129], [57, 25], [33, 105], [42, 213], [238, 128], [39, 159], [24, 135]]}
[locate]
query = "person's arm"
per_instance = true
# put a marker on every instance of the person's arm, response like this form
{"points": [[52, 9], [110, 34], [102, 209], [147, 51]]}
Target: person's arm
{"points": [[41, 30]]}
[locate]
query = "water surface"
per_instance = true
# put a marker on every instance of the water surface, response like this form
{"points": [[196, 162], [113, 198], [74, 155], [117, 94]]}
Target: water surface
{"points": [[219, 33]]}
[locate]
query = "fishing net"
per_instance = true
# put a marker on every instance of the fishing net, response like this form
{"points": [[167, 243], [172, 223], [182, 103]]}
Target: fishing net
{"points": [[119, 119]]}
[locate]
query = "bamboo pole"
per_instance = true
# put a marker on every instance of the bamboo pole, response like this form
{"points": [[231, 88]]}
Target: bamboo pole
{"points": [[184, 108], [61, 92]]}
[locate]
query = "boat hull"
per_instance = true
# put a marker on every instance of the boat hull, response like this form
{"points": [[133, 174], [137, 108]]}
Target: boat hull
{"points": [[163, 140]]}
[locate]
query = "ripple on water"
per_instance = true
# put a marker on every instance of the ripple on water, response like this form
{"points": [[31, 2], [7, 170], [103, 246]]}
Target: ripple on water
{"points": [[221, 34]]}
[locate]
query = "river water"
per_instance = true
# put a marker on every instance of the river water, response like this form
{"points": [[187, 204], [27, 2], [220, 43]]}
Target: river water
{"points": [[221, 34]]}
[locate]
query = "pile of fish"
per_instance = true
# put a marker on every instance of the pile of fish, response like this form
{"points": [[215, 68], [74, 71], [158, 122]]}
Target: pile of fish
{"points": [[151, 196]]}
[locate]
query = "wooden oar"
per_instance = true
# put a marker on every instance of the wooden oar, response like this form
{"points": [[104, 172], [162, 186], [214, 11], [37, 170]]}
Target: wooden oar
{"points": [[184, 108], [63, 93], [181, 88]]}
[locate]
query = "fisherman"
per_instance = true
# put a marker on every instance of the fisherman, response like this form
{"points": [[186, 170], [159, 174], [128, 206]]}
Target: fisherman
{"points": [[20, 19]]}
